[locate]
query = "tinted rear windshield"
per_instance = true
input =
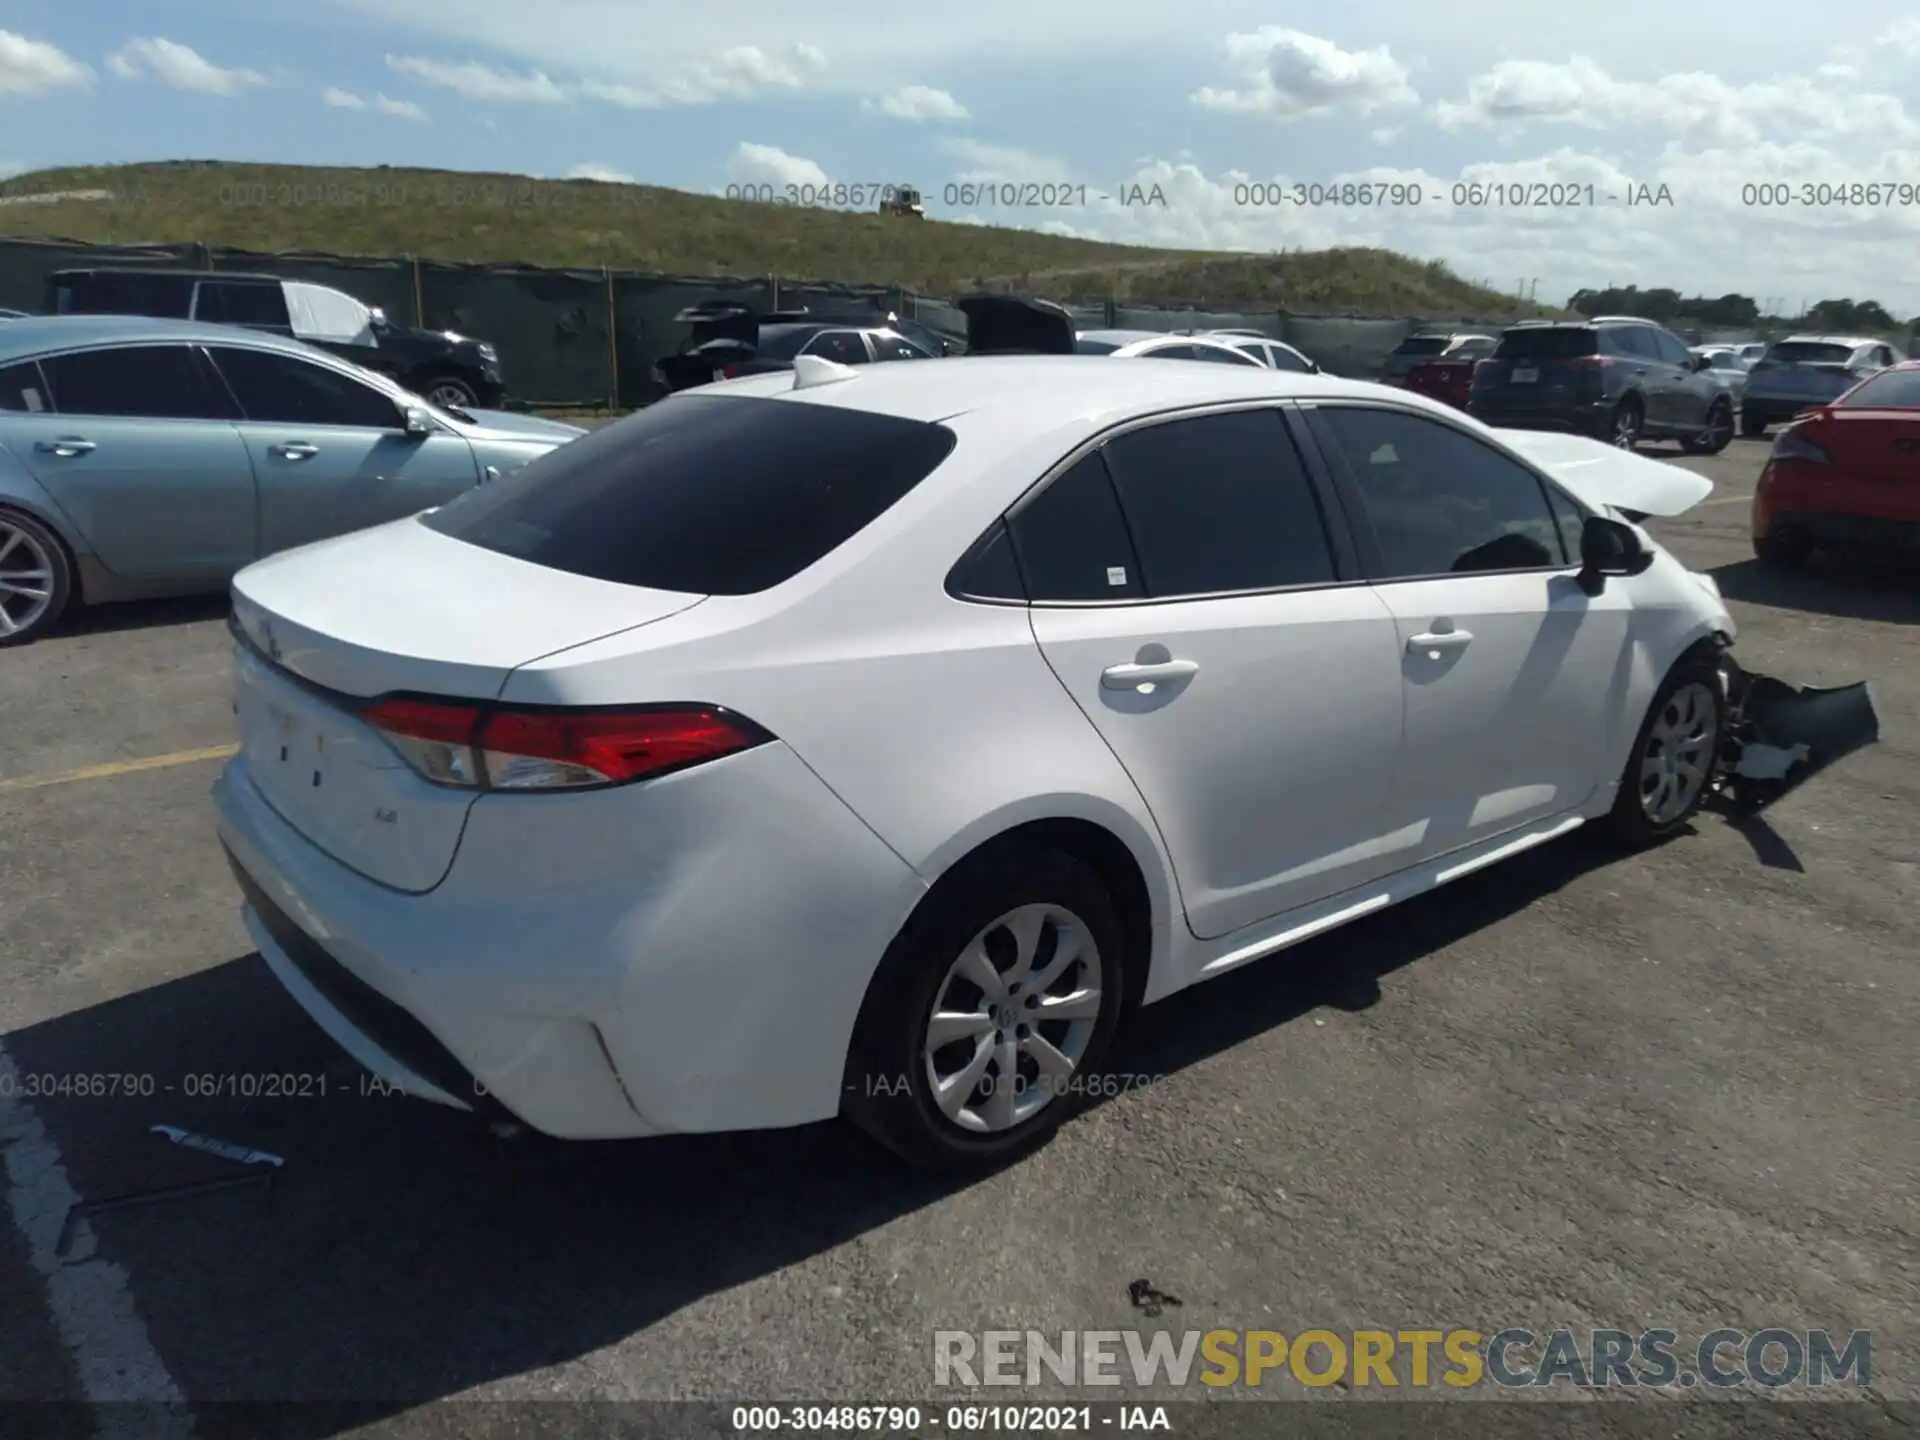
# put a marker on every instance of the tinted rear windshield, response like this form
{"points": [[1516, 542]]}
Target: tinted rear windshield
{"points": [[1890, 389], [1422, 345], [1809, 352], [703, 494], [1548, 342]]}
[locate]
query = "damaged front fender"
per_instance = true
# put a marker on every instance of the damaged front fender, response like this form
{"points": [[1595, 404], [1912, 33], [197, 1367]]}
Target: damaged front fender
{"points": [[1778, 735]]}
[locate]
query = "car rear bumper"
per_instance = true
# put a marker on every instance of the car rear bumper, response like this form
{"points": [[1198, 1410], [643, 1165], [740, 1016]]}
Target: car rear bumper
{"points": [[688, 955], [1775, 410], [1849, 532]]}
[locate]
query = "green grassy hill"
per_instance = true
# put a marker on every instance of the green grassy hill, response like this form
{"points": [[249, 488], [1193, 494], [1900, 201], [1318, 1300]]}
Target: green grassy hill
{"points": [[454, 215]]}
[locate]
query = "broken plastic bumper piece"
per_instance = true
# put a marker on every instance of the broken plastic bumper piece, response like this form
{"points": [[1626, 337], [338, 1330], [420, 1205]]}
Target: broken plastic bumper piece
{"points": [[1779, 735]]}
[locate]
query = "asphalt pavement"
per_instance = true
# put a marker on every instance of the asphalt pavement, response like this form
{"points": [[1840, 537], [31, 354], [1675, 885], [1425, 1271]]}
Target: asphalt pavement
{"points": [[1673, 1090]]}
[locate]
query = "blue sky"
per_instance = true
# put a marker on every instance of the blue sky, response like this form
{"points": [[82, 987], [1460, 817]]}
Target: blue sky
{"points": [[1208, 104]]}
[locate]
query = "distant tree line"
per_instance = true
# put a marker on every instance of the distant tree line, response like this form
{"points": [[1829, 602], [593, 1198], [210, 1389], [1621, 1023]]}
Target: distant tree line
{"points": [[1732, 312]]}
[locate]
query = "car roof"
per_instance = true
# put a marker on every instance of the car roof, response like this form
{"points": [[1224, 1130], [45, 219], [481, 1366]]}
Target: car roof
{"points": [[1830, 340], [1127, 337], [1054, 388], [40, 334]]}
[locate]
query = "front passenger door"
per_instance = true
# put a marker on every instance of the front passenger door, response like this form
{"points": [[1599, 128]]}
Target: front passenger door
{"points": [[1512, 672], [330, 452]]}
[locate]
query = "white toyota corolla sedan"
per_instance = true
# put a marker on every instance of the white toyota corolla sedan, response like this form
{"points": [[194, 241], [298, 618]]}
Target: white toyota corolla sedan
{"points": [[868, 741]]}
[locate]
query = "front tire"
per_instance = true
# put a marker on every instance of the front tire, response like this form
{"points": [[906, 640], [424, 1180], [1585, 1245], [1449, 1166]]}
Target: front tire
{"points": [[987, 1023], [449, 392], [1718, 433], [1629, 420], [36, 578], [1673, 757]]}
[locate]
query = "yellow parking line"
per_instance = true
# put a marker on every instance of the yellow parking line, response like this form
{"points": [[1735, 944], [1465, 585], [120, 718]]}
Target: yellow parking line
{"points": [[118, 767]]}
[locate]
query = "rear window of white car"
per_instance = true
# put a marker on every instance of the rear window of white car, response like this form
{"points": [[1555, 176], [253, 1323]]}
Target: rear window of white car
{"points": [[1809, 352], [705, 495]]}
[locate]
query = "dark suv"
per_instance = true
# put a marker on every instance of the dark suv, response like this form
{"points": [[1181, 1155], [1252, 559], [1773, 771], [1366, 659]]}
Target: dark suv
{"points": [[1615, 378], [448, 369]]}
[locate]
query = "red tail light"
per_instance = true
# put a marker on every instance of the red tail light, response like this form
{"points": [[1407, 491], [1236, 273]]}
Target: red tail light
{"points": [[732, 372], [484, 748]]}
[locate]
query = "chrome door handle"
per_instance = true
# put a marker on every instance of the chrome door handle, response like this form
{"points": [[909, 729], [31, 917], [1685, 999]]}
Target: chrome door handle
{"points": [[1132, 677], [296, 450], [66, 445], [1442, 640]]}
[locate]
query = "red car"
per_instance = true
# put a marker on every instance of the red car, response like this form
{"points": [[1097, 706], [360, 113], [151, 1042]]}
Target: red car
{"points": [[1845, 475], [1448, 376]]}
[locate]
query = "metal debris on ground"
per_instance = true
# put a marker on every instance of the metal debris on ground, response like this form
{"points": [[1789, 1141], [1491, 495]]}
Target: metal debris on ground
{"points": [[1148, 1300]]}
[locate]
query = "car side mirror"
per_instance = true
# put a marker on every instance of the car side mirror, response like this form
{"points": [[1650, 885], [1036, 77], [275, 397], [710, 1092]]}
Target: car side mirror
{"points": [[377, 318], [1702, 362], [417, 422], [1609, 547]]}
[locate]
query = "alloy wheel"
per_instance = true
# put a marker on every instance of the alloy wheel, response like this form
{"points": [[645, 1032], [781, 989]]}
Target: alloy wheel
{"points": [[1679, 753], [1012, 1019], [1626, 427], [449, 396], [26, 579]]}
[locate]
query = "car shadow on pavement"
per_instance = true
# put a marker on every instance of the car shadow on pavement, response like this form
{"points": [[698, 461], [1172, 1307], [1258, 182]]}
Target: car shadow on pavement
{"points": [[140, 615], [407, 1253], [1851, 589]]}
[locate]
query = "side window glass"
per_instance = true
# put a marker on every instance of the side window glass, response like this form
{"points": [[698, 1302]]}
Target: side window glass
{"points": [[1440, 502], [1168, 352], [1224, 355], [1633, 342], [286, 390], [160, 382], [1220, 503], [1072, 542], [843, 347], [989, 570], [1570, 519], [22, 390], [895, 347], [241, 304], [1672, 350]]}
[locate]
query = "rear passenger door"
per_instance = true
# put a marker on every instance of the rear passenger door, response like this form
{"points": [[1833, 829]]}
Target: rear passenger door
{"points": [[1513, 674], [1187, 589], [136, 444]]}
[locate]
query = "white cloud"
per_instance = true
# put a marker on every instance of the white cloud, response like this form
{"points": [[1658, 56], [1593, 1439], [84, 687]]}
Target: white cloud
{"points": [[33, 67], [1288, 73], [399, 109], [1697, 106], [1001, 162], [769, 165], [347, 100], [736, 72], [601, 172], [480, 82], [918, 103], [181, 67]]}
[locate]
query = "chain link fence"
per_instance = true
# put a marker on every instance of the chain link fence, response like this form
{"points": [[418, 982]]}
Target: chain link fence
{"points": [[588, 339]]}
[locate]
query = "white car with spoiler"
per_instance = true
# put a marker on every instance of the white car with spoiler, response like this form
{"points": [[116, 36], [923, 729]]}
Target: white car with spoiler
{"points": [[869, 742]]}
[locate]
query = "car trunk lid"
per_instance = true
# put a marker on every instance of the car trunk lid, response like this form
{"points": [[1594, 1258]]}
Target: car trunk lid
{"points": [[399, 609], [1874, 445]]}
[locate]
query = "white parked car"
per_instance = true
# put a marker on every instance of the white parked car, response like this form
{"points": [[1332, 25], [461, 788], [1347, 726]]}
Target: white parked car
{"points": [[869, 741], [1276, 354], [1158, 345]]}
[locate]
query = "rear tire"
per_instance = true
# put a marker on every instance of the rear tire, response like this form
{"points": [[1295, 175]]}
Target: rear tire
{"points": [[36, 578], [897, 1060], [1673, 756], [1753, 426]]}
